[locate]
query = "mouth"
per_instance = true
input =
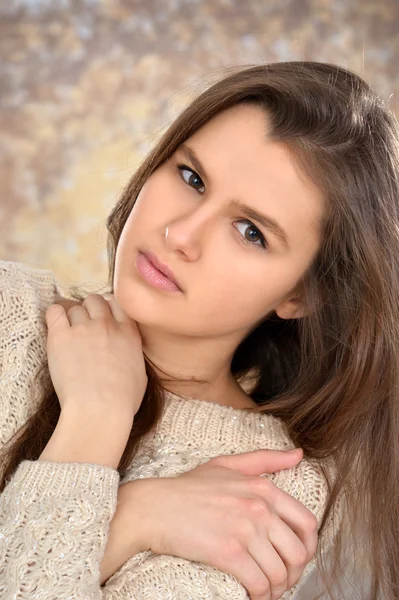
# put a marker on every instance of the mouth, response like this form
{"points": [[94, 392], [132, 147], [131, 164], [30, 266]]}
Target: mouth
{"points": [[156, 272]]}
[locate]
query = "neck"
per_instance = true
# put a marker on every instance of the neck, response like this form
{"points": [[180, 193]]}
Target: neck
{"points": [[176, 358]]}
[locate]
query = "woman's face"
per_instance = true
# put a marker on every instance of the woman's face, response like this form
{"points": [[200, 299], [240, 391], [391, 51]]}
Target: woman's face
{"points": [[233, 269]]}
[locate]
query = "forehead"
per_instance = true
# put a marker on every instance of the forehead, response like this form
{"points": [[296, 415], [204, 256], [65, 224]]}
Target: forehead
{"points": [[244, 164]]}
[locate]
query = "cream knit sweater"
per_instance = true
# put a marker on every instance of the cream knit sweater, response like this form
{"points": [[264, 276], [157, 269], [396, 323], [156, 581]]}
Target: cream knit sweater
{"points": [[55, 517]]}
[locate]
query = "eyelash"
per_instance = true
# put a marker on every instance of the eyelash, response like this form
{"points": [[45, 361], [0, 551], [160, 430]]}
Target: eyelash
{"points": [[263, 241]]}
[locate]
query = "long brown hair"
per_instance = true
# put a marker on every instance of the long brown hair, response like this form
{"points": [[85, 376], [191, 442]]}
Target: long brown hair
{"points": [[331, 376]]}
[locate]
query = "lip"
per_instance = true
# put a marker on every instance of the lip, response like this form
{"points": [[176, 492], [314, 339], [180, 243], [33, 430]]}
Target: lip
{"points": [[160, 266]]}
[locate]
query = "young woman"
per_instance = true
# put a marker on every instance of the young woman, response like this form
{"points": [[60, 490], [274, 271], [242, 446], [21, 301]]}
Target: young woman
{"points": [[254, 261]]}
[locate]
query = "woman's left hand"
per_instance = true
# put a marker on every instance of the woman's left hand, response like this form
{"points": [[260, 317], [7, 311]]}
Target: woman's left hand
{"points": [[221, 509]]}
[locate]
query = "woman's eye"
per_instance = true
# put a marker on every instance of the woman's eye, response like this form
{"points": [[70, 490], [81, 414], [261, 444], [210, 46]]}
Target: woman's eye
{"points": [[194, 177], [256, 236]]}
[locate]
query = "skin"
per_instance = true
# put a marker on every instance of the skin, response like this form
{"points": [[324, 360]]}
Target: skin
{"points": [[229, 286]]}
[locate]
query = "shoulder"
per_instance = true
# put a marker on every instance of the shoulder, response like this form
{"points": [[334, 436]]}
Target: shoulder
{"points": [[25, 294], [20, 281], [309, 482]]}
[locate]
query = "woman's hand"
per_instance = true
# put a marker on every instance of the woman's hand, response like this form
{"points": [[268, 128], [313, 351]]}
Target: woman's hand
{"points": [[222, 514], [95, 356]]}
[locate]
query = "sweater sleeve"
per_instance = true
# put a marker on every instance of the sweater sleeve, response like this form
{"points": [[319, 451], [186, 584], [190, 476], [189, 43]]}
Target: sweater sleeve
{"points": [[25, 294], [54, 517], [54, 522]]}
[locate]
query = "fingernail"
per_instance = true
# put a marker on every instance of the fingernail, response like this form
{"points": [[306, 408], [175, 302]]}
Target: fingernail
{"points": [[292, 451], [107, 296]]}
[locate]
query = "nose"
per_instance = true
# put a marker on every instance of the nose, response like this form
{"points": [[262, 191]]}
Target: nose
{"points": [[187, 233]]}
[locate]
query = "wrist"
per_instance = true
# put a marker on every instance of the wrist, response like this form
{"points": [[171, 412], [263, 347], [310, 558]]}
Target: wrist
{"points": [[118, 548], [134, 514], [88, 437], [128, 531]]}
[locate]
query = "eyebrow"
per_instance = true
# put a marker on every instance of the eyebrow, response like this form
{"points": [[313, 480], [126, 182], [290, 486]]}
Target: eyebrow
{"points": [[267, 222]]}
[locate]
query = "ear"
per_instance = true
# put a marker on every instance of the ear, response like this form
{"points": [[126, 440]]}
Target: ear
{"points": [[293, 308]]}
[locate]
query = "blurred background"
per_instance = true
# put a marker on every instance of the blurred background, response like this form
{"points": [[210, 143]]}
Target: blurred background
{"points": [[88, 86]]}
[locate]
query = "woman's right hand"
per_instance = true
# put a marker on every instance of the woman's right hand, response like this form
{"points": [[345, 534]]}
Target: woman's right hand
{"points": [[95, 356], [223, 514]]}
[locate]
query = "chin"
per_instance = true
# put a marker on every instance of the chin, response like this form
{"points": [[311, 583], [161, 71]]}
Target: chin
{"points": [[138, 305]]}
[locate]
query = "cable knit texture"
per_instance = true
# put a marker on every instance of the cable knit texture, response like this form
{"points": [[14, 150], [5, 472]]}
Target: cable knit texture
{"points": [[55, 517]]}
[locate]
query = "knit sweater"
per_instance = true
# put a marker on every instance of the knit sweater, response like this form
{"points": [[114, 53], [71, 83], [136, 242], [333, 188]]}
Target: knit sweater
{"points": [[55, 517]]}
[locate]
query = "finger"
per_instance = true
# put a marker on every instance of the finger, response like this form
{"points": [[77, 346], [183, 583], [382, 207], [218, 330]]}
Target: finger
{"points": [[93, 307], [259, 462], [290, 549], [271, 565], [78, 314], [98, 306], [56, 317], [290, 510], [66, 302], [250, 575], [298, 518], [116, 309]]}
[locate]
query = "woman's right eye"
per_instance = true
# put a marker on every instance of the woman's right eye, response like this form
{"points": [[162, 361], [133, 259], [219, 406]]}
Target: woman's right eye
{"points": [[181, 168]]}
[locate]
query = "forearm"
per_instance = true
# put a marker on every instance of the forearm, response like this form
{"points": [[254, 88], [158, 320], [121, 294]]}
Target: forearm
{"points": [[88, 437], [96, 439]]}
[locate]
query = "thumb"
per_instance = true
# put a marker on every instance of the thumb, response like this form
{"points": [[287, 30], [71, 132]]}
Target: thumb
{"points": [[258, 462]]}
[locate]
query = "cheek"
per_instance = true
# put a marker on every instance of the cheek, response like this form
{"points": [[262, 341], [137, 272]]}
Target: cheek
{"points": [[153, 206], [143, 218], [225, 299], [239, 296]]}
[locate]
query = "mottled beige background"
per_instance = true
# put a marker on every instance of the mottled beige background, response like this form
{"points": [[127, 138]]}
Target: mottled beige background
{"points": [[87, 87]]}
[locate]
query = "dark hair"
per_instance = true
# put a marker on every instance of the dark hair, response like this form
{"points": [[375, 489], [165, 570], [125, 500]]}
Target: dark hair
{"points": [[332, 376]]}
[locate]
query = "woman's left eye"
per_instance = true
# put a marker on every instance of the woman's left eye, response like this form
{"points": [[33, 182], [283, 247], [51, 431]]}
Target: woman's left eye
{"points": [[260, 242], [193, 175]]}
